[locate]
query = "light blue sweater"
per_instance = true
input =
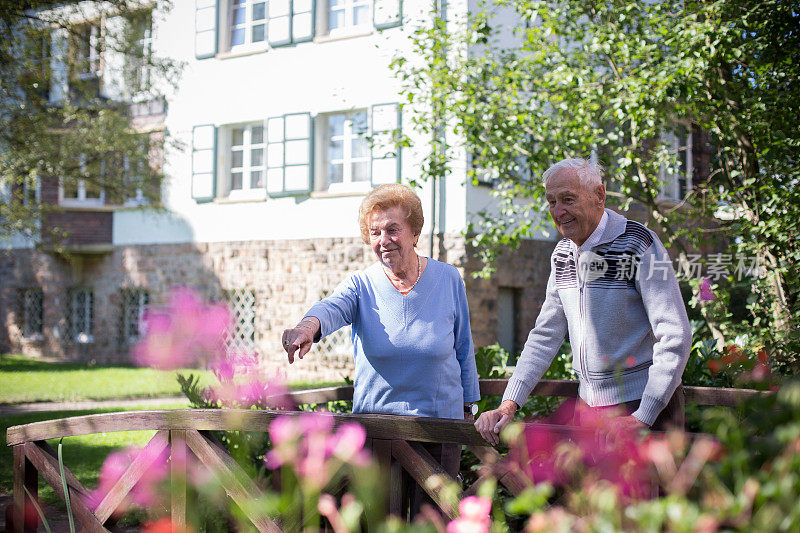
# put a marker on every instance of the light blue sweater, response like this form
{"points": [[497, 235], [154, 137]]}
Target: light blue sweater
{"points": [[413, 353]]}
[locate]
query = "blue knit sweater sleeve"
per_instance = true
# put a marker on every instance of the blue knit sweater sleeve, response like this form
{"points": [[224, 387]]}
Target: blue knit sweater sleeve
{"points": [[339, 309], [465, 351]]}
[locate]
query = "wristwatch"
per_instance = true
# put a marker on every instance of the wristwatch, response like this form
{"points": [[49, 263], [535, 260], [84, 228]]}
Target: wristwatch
{"points": [[471, 408]]}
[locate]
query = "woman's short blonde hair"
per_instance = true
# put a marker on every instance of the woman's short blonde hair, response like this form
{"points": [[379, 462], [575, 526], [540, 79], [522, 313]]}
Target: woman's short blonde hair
{"points": [[391, 195]]}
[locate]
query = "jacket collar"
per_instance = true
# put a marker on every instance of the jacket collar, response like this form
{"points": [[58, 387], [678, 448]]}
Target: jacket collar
{"points": [[614, 227]]}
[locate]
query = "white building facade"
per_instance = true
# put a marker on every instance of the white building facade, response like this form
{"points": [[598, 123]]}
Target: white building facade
{"points": [[284, 117]]}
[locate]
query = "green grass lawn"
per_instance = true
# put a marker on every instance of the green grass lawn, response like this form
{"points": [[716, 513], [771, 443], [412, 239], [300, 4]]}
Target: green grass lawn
{"points": [[24, 379]]}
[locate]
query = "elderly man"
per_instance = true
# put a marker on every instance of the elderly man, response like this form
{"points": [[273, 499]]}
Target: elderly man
{"points": [[613, 288]]}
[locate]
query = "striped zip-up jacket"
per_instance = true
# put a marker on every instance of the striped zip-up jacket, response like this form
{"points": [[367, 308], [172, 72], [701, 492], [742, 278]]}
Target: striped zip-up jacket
{"points": [[627, 323]]}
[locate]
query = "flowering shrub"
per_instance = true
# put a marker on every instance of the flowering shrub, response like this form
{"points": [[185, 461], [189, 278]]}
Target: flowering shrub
{"points": [[589, 478]]}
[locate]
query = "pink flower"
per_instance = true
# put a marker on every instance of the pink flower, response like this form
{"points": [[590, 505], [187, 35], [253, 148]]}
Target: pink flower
{"points": [[597, 450], [348, 443], [145, 492], [283, 429], [223, 369], [307, 443], [706, 294], [316, 422], [242, 384], [475, 508], [462, 525], [474, 516], [537, 456], [186, 331]]}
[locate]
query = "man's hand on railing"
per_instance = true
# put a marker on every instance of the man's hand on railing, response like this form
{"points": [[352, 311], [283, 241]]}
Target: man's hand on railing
{"points": [[491, 422]]}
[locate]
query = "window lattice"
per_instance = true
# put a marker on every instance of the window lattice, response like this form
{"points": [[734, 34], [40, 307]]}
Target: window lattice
{"points": [[133, 304], [31, 312], [242, 333], [338, 343], [80, 314]]}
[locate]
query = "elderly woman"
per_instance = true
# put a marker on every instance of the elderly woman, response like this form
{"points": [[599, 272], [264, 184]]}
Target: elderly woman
{"points": [[411, 336]]}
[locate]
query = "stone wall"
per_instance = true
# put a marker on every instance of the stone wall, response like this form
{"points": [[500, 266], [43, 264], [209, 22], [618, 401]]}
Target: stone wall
{"points": [[286, 277]]}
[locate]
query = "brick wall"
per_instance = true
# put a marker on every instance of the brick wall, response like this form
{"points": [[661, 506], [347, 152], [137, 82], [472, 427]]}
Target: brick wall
{"points": [[286, 277], [78, 227]]}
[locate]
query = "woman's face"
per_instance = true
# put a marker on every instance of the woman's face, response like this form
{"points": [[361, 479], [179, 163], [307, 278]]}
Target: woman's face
{"points": [[390, 237]]}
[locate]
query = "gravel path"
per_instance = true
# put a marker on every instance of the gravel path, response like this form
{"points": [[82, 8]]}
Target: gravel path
{"points": [[43, 407]]}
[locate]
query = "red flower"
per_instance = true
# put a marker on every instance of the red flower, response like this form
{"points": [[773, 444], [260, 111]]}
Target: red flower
{"points": [[164, 525]]}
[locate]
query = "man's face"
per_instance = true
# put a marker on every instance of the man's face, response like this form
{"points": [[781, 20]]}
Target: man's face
{"points": [[576, 210]]}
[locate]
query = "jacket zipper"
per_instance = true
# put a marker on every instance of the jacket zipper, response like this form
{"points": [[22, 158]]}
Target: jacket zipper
{"points": [[581, 357]]}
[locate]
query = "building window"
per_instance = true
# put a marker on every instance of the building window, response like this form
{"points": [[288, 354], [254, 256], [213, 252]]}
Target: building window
{"points": [[508, 319], [80, 315], [134, 303], [248, 23], [36, 76], [32, 313], [27, 191], [139, 35], [676, 174], [347, 151], [242, 333], [246, 161], [83, 193], [348, 14], [141, 168], [32, 191], [85, 50]]}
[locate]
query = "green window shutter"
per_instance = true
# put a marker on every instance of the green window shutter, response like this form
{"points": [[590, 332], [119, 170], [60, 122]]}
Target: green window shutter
{"points": [[298, 153], [385, 151], [205, 29], [204, 162], [303, 20], [387, 13], [275, 141], [280, 22]]}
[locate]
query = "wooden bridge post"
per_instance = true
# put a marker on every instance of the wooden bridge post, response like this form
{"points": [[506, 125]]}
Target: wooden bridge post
{"points": [[25, 516], [674, 414], [177, 479], [382, 451]]}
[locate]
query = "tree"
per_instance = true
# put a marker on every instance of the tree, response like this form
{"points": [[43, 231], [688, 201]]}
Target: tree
{"points": [[75, 76], [626, 82]]}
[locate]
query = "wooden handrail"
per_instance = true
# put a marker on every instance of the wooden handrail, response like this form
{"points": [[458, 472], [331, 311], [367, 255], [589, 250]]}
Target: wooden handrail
{"points": [[416, 428], [725, 397], [422, 429]]}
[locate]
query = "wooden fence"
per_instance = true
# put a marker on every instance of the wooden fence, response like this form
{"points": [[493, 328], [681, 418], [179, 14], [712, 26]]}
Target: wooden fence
{"points": [[394, 440]]}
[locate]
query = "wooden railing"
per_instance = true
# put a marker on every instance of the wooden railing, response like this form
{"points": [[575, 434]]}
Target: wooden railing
{"points": [[394, 441]]}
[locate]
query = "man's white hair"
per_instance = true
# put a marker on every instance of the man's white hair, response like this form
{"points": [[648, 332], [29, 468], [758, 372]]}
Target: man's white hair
{"points": [[589, 174]]}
